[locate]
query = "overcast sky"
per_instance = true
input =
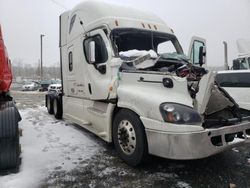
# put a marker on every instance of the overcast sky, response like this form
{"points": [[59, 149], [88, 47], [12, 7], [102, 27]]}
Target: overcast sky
{"points": [[216, 20]]}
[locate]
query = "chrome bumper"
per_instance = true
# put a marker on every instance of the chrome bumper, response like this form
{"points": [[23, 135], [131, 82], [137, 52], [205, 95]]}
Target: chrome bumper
{"points": [[195, 145]]}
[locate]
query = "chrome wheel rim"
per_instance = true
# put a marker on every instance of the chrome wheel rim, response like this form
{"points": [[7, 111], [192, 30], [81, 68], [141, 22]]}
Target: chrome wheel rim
{"points": [[126, 137]]}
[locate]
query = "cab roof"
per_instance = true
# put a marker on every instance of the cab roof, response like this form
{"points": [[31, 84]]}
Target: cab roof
{"points": [[95, 13]]}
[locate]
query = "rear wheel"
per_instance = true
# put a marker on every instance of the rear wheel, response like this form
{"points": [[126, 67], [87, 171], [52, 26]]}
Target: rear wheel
{"points": [[129, 137], [49, 104], [57, 108]]}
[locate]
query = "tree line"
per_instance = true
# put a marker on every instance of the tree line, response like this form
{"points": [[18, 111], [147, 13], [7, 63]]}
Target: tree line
{"points": [[27, 71]]}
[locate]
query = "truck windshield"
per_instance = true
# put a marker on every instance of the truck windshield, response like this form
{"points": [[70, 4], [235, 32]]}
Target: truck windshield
{"points": [[136, 39]]}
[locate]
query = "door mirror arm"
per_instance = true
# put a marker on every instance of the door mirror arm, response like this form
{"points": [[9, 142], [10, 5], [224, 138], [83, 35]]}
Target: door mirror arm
{"points": [[101, 68]]}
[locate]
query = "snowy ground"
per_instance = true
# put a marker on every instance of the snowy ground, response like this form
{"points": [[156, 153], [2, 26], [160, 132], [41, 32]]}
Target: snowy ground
{"points": [[61, 154], [47, 145]]}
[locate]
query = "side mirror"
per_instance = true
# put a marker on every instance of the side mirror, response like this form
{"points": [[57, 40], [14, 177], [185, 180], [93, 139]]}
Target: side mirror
{"points": [[92, 52], [202, 55]]}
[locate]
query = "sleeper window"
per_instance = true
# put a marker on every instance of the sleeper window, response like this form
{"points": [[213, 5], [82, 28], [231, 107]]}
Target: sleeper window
{"points": [[70, 61]]}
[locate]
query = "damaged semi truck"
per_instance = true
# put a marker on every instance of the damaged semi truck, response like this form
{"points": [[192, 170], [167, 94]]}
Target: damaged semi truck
{"points": [[9, 115], [126, 79]]}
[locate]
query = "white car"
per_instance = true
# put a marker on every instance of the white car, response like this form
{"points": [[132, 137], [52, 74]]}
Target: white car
{"points": [[237, 84], [55, 88], [30, 86]]}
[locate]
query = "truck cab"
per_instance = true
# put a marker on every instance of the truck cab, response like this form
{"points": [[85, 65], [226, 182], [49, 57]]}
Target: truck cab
{"points": [[126, 78], [243, 61]]}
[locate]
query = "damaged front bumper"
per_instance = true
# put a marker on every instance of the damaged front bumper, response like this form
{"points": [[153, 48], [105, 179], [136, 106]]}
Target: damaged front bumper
{"points": [[194, 145]]}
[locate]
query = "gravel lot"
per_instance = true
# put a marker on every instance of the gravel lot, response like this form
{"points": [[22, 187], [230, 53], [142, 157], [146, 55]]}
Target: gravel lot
{"points": [[68, 156]]}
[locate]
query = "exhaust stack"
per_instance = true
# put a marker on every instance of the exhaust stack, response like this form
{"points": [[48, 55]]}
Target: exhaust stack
{"points": [[226, 67]]}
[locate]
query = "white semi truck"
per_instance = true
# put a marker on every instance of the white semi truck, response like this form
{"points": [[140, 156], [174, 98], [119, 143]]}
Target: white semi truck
{"points": [[236, 80], [126, 79]]}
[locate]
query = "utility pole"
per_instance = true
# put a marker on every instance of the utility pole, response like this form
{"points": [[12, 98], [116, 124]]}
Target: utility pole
{"points": [[41, 39]]}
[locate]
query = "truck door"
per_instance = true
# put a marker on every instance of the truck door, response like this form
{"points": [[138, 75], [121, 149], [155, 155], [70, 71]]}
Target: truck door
{"points": [[97, 51], [74, 70], [197, 51], [71, 78], [197, 54]]}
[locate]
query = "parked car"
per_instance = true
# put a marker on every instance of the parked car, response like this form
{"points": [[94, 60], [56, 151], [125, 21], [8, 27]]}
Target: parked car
{"points": [[45, 84], [237, 84], [55, 87], [30, 86]]}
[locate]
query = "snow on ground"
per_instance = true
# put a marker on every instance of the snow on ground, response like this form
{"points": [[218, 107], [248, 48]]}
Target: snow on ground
{"points": [[47, 145]]}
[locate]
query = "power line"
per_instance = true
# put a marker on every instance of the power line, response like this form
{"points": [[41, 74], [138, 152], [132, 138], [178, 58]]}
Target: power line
{"points": [[59, 4]]}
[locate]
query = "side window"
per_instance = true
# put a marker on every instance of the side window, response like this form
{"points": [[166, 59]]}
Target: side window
{"points": [[233, 80], [195, 51], [72, 21], [101, 54], [243, 64], [249, 62], [70, 61]]}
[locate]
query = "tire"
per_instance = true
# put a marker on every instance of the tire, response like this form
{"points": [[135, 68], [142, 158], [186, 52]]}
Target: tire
{"points": [[9, 137], [129, 137], [57, 108], [8, 122], [9, 153], [49, 104]]}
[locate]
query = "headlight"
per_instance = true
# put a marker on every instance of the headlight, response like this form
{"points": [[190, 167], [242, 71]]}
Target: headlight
{"points": [[179, 114]]}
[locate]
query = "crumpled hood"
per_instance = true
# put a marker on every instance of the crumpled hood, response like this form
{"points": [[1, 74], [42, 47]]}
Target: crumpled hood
{"points": [[205, 90]]}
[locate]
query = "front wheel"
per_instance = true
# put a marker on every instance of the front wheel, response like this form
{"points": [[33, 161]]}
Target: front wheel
{"points": [[129, 137]]}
